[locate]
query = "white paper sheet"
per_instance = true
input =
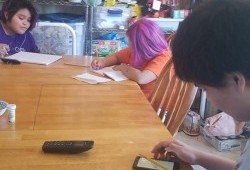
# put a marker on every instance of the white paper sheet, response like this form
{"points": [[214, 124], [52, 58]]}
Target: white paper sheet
{"points": [[35, 58], [91, 79]]}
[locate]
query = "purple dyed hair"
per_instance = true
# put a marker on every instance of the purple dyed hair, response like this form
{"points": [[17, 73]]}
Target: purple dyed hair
{"points": [[146, 40], [10, 7]]}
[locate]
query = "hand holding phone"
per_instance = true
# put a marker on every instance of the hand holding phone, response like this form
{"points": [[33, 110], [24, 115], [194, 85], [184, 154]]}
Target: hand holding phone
{"points": [[141, 163]]}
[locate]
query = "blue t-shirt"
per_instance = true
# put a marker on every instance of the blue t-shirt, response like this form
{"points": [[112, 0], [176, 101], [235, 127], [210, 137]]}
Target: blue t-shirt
{"points": [[18, 42]]}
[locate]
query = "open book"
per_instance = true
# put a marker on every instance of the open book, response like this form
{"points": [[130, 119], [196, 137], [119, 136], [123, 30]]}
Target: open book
{"points": [[35, 58], [109, 72]]}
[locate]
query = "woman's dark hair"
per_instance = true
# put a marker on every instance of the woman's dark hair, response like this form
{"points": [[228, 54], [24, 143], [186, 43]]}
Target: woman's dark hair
{"points": [[11, 7], [213, 41]]}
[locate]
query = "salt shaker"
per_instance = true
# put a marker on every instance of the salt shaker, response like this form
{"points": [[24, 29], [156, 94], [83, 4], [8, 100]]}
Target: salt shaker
{"points": [[12, 112]]}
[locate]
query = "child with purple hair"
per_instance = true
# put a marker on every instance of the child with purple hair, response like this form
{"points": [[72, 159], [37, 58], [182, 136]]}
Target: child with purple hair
{"points": [[145, 57], [17, 18]]}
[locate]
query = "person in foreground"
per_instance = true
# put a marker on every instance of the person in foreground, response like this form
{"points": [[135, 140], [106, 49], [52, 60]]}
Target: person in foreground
{"points": [[145, 57], [211, 49], [17, 18]]}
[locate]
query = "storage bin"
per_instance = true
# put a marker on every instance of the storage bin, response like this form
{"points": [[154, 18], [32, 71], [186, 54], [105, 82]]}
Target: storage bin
{"points": [[105, 17], [167, 24]]}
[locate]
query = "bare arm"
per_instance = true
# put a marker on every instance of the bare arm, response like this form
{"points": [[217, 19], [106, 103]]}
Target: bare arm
{"points": [[141, 77], [213, 162], [192, 156]]}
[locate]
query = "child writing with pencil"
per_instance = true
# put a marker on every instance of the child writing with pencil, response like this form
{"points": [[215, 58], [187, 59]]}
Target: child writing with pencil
{"points": [[145, 57], [17, 18]]}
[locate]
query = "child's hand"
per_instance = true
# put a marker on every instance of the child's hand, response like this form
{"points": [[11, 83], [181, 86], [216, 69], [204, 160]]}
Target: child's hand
{"points": [[4, 48], [97, 64], [181, 150]]}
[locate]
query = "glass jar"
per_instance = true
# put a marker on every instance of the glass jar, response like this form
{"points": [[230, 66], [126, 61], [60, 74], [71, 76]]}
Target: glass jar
{"points": [[191, 124]]}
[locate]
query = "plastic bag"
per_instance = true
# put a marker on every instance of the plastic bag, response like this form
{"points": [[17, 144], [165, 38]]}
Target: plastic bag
{"points": [[223, 124]]}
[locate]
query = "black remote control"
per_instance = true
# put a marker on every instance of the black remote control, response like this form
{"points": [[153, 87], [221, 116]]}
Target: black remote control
{"points": [[76, 146]]}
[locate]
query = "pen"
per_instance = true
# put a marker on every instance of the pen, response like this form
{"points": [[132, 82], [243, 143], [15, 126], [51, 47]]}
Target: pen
{"points": [[96, 54], [95, 61], [154, 162]]}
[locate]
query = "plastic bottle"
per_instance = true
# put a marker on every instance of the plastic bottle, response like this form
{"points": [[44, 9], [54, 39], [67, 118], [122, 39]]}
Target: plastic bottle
{"points": [[12, 112]]}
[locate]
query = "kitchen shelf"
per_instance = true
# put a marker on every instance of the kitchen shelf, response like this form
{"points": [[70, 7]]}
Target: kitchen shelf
{"points": [[106, 30], [58, 2]]}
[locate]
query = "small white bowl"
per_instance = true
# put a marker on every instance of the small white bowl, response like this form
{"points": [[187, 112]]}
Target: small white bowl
{"points": [[3, 107]]}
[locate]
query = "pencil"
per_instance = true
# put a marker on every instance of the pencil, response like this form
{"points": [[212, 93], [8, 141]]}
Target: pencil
{"points": [[96, 53], [154, 162]]}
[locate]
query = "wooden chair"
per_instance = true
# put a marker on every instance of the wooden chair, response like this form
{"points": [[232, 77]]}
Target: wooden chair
{"points": [[172, 98]]}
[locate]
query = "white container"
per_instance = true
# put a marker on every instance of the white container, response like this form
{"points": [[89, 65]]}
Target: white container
{"points": [[104, 20], [237, 144], [12, 112], [191, 124]]}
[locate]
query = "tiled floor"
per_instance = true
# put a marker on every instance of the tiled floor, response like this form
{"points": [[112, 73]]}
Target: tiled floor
{"points": [[200, 143]]}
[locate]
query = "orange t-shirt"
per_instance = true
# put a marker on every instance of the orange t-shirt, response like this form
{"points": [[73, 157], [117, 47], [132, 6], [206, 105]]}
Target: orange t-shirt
{"points": [[155, 66]]}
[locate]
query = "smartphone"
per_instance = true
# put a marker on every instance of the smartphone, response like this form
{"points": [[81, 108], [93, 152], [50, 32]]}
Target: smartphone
{"points": [[143, 164]]}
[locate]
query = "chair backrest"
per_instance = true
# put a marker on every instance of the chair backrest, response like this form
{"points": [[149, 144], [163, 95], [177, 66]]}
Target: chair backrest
{"points": [[55, 38], [172, 98]]}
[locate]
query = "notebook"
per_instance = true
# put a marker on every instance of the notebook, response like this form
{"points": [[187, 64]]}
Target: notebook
{"points": [[109, 72], [91, 79], [35, 58]]}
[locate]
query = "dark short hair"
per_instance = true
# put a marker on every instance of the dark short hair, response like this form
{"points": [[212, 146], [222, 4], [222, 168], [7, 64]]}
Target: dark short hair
{"points": [[212, 41], [11, 7]]}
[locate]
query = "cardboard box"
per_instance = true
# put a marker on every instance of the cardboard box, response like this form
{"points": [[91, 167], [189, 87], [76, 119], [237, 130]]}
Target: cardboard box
{"points": [[229, 144], [105, 47]]}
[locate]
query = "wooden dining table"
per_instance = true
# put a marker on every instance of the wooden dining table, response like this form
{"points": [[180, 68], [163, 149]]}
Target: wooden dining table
{"points": [[52, 106]]}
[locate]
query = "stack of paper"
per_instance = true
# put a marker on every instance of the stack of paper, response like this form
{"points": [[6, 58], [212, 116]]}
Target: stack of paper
{"points": [[35, 58]]}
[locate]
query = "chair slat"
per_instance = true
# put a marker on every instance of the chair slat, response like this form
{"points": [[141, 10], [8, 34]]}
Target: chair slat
{"points": [[171, 98]]}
